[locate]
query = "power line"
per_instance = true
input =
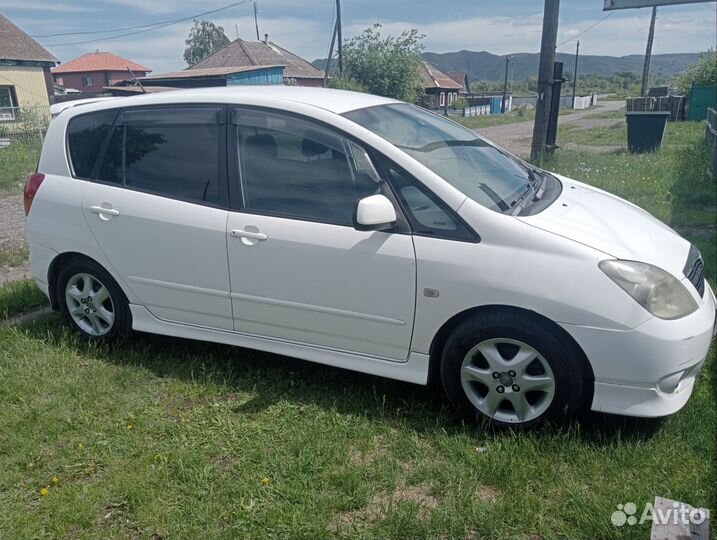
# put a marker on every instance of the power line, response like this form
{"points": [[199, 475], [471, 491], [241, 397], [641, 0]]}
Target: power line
{"points": [[584, 31], [146, 28]]}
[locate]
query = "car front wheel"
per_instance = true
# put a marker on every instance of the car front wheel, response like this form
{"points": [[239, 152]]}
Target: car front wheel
{"points": [[512, 369]]}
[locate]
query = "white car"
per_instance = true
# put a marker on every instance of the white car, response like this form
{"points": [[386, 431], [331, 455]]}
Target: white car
{"points": [[368, 234]]}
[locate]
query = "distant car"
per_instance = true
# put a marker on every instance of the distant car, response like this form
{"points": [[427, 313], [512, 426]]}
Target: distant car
{"points": [[368, 234]]}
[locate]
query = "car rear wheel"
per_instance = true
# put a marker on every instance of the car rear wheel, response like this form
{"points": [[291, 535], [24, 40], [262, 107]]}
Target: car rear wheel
{"points": [[512, 369], [92, 301]]}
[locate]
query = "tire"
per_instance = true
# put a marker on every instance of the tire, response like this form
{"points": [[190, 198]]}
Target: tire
{"points": [[513, 369], [92, 302]]}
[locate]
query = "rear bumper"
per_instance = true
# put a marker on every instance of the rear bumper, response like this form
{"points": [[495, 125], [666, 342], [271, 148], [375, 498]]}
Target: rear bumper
{"points": [[40, 259], [649, 371]]}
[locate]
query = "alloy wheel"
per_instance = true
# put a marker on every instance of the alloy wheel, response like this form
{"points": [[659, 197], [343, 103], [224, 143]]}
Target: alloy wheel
{"points": [[507, 380], [89, 304]]}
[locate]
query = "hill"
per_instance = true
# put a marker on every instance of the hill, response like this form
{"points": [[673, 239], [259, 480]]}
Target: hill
{"points": [[485, 66], [490, 67]]}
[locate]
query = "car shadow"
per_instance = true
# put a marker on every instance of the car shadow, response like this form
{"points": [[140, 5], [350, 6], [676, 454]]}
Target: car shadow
{"points": [[270, 379]]}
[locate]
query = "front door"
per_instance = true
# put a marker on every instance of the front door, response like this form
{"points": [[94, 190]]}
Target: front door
{"points": [[157, 211], [299, 270]]}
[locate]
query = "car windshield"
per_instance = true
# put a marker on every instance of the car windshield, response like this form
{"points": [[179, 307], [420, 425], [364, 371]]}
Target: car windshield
{"points": [[476, 168]]}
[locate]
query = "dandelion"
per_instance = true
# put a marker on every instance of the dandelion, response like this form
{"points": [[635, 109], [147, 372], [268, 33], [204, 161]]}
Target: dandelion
{"points": [[44, 492], [130, 426], [80, 445], [55, 480], [266, 481]]}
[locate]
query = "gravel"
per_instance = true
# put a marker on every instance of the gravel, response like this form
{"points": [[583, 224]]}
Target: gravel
{"points": [[12, 235]]}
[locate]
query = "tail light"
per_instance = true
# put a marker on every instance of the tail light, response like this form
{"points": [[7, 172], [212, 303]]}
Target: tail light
{"points": [[32, 184]]}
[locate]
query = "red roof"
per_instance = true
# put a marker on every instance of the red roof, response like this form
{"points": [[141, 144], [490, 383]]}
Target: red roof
{"points": [[99, 61]]}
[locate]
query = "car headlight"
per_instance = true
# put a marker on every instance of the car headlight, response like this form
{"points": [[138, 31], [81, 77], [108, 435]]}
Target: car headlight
{"points": [[657, 291]]}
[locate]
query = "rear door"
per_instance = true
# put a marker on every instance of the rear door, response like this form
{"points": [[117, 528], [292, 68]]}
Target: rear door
{"points": [[299, 269], [157, 208]]}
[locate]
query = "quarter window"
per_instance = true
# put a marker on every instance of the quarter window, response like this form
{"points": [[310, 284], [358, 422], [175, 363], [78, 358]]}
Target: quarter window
{"points": [[294, 168], [85, 135], [428, 216]]}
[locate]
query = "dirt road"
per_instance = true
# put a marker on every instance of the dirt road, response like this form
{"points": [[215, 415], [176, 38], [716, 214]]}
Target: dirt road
{"points": [[516, 137]]}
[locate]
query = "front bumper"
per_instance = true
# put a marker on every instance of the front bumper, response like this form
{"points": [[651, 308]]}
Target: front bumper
{"points": [[648, 371]]}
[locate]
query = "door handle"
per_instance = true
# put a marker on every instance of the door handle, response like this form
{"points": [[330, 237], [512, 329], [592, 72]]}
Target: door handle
{"points": [[239, 233], [105, 211]]}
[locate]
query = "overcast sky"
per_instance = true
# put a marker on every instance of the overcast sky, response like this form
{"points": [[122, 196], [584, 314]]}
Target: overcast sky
{"points": [[304, 26]]}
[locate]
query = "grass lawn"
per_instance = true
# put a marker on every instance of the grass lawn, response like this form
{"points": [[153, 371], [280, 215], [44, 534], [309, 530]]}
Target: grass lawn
{"points": [[17, 161], [185, 439]]}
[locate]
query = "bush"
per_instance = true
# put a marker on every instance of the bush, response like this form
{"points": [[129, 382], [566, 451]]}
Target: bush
{"points": [[342, 82], [703, 73]]}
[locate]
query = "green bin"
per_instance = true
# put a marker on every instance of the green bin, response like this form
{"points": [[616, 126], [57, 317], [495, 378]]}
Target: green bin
{"points": [[645, 130]]}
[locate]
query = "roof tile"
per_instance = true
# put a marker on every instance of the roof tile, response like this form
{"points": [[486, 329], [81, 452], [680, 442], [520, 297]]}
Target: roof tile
{"points": [[17, 45], [99, 61]]}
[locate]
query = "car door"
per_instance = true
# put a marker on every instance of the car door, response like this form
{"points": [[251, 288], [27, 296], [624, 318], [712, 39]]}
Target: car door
{"points": [[299, 270], [157, 208]]}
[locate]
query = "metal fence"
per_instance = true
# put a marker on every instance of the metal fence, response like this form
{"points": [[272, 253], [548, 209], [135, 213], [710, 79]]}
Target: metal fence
{"points": [[23, 125], [711, 135]]}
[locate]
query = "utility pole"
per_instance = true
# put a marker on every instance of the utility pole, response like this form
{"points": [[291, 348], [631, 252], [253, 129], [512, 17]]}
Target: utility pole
{"points": [[505, 84], [256, 22], [551, 13], [575, 73], [648, 53], [339, 37], [327, 69]]}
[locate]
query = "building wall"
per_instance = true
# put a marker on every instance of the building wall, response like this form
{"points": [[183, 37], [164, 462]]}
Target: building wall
{"points": [[314, 83], [99, 79], [264, 76], [29, 83]]}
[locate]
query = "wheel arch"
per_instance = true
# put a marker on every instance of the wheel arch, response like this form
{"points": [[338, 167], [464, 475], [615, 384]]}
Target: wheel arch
{"points": [[439, 340], [62, 260]]}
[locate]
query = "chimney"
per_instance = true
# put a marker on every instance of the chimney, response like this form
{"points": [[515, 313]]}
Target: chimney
{"points": [[266, 39]]}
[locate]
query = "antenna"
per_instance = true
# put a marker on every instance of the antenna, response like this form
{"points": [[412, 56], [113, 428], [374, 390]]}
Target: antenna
{"points": [[256, 21], [136, 80]]}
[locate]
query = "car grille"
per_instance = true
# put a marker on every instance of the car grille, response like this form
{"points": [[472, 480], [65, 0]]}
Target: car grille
{"points": [[695, 270]]}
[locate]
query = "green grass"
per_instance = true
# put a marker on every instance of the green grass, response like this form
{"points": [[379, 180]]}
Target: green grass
{"points": [[677, 134], [607, 115], [17, 161], [177, 438], [18, 297]]}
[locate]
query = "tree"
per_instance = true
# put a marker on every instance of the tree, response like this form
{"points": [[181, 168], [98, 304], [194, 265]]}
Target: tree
{"points": [[385, 66], [703, 73], [204, 39], [341, 82]]}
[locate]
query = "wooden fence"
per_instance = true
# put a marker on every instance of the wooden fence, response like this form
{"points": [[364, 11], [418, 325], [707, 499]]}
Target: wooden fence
{"points": [[711, 135], [675, 105]]}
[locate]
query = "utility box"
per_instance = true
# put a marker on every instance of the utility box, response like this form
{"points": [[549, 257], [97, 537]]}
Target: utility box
{"points": [[701, 99], [646, 130]]}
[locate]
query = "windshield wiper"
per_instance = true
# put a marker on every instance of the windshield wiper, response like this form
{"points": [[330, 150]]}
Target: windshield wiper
{"points": [[538, 183], [518, 204]]}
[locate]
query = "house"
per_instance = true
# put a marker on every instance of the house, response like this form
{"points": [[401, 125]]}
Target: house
{"points": [[91, 72], [240, 53], [213, 76], [25, 80], [440, 90], [461, 77]]}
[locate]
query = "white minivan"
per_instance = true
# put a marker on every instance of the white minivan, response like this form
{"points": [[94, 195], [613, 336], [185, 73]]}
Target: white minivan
{"points": [[368, 234]]}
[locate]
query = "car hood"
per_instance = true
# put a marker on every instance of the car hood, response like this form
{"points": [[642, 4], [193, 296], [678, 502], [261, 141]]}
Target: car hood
{"points": [[612, 225]]}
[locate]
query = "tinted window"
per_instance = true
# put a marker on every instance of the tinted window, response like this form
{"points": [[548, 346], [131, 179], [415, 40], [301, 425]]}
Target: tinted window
{"points": [[111, 167], [428, 216], [294, 168], [85, 135], [171, 152]]}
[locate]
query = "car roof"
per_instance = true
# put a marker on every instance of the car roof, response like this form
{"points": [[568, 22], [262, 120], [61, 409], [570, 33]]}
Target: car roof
{"points": [[336, 101]]}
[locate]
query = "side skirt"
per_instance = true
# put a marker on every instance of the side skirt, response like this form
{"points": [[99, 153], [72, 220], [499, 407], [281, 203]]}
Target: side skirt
{"points": [[414, 370]]}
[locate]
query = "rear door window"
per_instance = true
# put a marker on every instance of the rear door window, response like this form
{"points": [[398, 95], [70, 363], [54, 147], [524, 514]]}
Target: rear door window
{"points": [[174, 152], [85, 135]]}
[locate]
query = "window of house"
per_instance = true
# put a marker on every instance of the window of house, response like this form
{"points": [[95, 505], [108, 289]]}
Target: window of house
{"points": [[85, 135], [442, 99], [86, 81], [7, 102], [171, 152], [294, 168]]}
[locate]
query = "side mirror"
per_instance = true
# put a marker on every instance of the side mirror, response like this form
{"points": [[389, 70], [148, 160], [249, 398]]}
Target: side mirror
{"points": [[374, 213]]}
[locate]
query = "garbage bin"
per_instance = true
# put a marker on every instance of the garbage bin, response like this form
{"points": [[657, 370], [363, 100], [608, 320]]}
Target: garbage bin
{"points": [[645, 130]]}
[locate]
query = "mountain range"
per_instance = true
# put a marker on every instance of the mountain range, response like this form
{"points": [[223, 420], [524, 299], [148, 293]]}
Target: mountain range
{"points": [[491, 67]]}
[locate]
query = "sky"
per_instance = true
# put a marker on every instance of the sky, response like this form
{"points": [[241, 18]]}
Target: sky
{"points": [[304, 26]]}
